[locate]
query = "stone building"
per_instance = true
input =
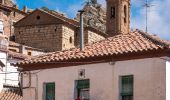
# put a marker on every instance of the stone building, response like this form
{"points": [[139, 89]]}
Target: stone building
{"points": [[9, 14], [118, 17], [52, 31], [94, 15]]}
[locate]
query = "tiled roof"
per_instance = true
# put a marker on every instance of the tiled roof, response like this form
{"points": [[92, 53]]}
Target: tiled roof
{"points": [[17, 55], [134, 42], [5, 8], [11, 94]]}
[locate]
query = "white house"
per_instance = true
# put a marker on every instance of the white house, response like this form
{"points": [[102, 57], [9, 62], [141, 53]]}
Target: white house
{"points": [[132, 66], [125, 66]]}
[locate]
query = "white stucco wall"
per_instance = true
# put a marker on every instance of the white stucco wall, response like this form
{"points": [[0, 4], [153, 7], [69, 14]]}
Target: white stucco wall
{"points": [[12, 73], [168, 80], [2, 76], [149, 80], [12, 76]]}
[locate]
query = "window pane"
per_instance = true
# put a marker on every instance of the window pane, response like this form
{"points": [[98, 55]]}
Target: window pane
{"points": [[82, 84], [83, 89], [1, 27], [127, 85], [84, 95], [50, 91], [127, 97]]}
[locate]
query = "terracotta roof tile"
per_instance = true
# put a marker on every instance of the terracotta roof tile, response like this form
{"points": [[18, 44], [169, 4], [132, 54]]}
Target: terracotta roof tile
{"points": [[17, 55], [136, 41], [11, 94]]}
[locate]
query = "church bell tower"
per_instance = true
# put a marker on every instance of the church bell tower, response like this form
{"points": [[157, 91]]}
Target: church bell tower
{"points": [[118, 17]]}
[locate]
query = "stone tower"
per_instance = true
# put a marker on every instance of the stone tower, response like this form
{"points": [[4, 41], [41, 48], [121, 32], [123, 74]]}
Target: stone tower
{"points": [[118, 17]]}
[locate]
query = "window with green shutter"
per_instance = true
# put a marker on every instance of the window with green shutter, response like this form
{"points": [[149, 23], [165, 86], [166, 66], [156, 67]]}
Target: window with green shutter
{"points": [[83, 87], [83, 84], [50, 91], [127, 87]]}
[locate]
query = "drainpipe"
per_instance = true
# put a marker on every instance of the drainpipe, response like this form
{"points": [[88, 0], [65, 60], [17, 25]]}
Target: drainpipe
{"points": [[81, 30]]}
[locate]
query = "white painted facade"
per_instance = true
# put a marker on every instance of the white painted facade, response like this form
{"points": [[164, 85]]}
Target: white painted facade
{"points": [[149, 80], [12, 76], [3, 56], [168, 80], [8, 73]]}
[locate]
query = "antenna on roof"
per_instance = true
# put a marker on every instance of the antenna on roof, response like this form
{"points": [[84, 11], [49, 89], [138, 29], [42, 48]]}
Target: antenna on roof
{"points": [[147, 5]]}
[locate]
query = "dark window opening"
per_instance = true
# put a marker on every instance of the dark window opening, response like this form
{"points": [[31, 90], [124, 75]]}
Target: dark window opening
{"points": [[113, 12], [125, 14], [14, 50], [127, 87], [29, 53], [14, 14], [38, 17], [71, 40], [12, 38], [55, 30]]}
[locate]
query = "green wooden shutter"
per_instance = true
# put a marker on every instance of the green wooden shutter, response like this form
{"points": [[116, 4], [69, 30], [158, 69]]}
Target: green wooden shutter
{"points": [[83, 84], [127, 85], [50, 91]]}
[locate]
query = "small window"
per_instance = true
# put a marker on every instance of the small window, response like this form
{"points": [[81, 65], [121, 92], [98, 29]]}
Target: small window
{"points": [[14, 13], [1, 27], [49, 90], [14, 50], [125, 14], [83, 87], [71, 40], [113, 12], [38, 17], [12, 38], [127, 87], [29, 53]]}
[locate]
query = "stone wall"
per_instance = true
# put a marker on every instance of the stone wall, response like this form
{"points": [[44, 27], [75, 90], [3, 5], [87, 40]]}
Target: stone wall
{"points": [[46, 37], [89, 37], [93, 37], [94, 16], [68, 38], [9, 17]]}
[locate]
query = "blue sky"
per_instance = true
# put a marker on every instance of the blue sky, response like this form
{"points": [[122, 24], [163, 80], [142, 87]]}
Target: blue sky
{"points": [[158, 15]]}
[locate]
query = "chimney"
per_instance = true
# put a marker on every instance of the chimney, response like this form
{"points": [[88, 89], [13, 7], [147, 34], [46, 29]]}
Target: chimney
{"points": [[25, 9], [81, 30]]}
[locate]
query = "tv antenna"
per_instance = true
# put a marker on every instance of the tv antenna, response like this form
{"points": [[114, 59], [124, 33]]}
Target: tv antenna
{"points": [[147, 5]]}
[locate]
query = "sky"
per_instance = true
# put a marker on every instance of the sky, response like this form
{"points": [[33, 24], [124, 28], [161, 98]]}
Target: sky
{"points": [[158, 13]]}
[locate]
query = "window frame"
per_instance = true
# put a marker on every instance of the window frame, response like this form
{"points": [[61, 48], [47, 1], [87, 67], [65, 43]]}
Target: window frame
{"points": [[78, 90], [2, 22], [113, 12], [45, 90], [126, 94]]}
